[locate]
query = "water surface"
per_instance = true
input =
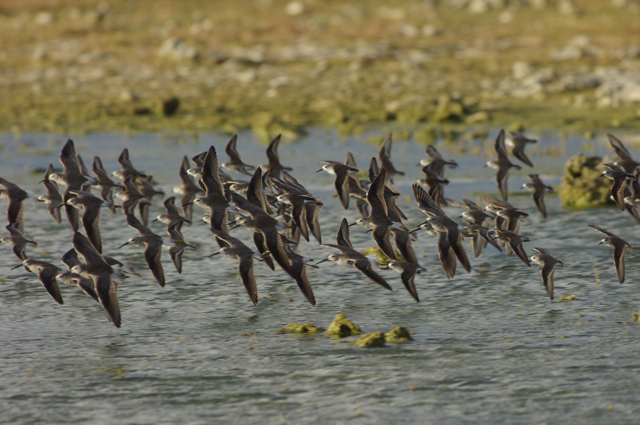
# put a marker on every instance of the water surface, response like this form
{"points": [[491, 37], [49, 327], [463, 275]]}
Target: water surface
{"points": [[489, 346]]}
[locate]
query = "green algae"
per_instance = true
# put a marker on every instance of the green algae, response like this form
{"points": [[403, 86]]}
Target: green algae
{"points": [[583, 186], [342, 327], [370, 340], [300, 328], [398, 335]]}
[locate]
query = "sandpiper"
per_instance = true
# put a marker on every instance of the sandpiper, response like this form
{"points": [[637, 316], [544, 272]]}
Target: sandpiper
{"points": [[449, 236], [105, 278], [233, 247], [436, 162], [548, 263], [16, 197], [626, 162], [620, 178], [378, 220], [47, 274], [384, 155], [70, 259], [179, 245], [53, 199], [235, 163], [148, 192], [408, 273], [172, 215], [91, 216], [273, 166], [89, 180], [518, 142], [105, 183], [401, 235], [130, 195], [214, 199], [514, 242], [299, 273], [72, 178], [153, 247], [481, 235], [189, 189], [127, 167], [17, 239], [349, 257], [502, 164], [260, 221], [538, 188], [341, 171], [619, 245]]}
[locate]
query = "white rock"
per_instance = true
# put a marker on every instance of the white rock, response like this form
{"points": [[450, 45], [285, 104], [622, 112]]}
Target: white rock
{"points": [[44, 18], [479, 6], [430, 30], [247, 76], [520, 69], [177, 49], [295, 8]]}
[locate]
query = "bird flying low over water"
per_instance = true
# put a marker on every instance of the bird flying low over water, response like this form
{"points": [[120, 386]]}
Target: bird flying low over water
{"points": [[449, 236], [619, 246], [349, 257], [502, 164], [548, 263]]}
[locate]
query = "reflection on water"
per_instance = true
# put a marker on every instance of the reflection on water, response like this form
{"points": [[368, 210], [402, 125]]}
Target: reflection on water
{"points": [[489, 346]]}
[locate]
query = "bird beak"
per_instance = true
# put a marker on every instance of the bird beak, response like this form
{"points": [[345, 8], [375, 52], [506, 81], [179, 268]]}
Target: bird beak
{"points": [[188, 203], [215, 253], [319, 170], [123, 245], [352, 224], [321, 261], [15, 267]]}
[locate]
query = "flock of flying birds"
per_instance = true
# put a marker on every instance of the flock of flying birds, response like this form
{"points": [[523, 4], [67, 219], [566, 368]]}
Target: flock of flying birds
{"points": [[279, 211]]}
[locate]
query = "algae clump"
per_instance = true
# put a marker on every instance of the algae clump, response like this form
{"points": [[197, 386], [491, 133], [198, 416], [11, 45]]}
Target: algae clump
{"points": [[374, 339], [568, 298], [397, 335], [582, 186], [342, 327], [300, 328]]}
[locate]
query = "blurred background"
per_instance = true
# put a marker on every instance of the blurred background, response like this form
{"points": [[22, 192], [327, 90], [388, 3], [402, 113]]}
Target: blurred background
{"points": [[279, 66]]}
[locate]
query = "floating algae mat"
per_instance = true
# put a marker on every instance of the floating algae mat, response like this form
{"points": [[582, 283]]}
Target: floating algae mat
{"points": [[342, 327], [374, 339], [397, 335], [300, 328]]}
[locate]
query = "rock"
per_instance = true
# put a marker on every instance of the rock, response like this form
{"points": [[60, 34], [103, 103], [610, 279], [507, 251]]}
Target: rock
{"points": [[247, 76], [44, 18], [521, 69], [448, 110], [342, 327], [430, 30], [127, 96], [478, 117], [295, 8], [176, 49], [300, 328], [398, 335], [479, 6], [538, 4], [582, 186], [167, 107], [375, 339]]}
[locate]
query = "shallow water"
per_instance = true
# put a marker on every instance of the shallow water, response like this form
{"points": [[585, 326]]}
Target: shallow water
{"points": [[489, 346]]}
